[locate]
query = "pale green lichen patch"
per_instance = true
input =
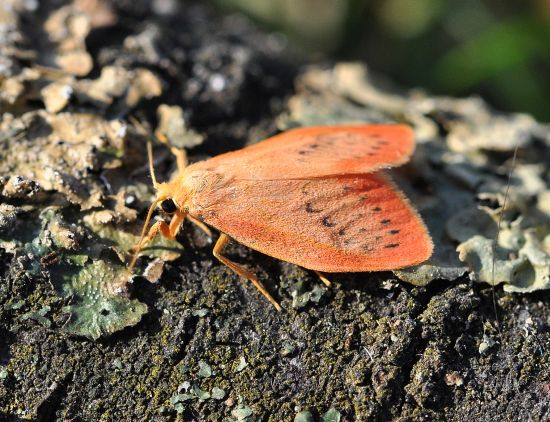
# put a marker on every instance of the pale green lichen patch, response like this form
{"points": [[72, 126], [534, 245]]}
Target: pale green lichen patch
{"points": [[486, 263], [13, 233], [528, 272], [173, 127], [56, 156], [51, 247], [97, 287], [99, 305], [187, 393], [54, 174], [39, 316], [79, 173], [217, 393], [242, 413], [205, 371], [242, 364], [301, 295], [332, 415], [124, 241], [304, 416], [519, 256]]}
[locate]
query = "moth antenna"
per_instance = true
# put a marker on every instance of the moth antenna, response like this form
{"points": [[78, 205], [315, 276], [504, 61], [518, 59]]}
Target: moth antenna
{"points": [[495, 240], [508, 356], [139, 246], [151, 166], [180, 154], [147, 134]]}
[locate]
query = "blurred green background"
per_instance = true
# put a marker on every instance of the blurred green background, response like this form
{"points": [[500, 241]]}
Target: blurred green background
{"points": [[498, 49]]}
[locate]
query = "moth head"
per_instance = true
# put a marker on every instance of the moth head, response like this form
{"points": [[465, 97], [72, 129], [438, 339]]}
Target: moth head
{"points": [[164, 200], [168, 205], [165, 191]]}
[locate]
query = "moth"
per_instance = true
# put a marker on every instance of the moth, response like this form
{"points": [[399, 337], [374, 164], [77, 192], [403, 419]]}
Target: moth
{"points": [[317, 197]]}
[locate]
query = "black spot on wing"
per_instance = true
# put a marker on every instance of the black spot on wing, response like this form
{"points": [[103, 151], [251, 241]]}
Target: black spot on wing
{"points": [[394, 231], [327, 222], [377, 209], [391, 245], [305, 188], [385, 221], [311, 209], [210, 214], [327, 139]]}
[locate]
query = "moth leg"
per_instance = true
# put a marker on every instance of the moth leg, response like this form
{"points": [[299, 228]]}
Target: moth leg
{"points": [[200, 225], [167, 231], [243, 272], [325, 280], [181, 158], [180, 154]]}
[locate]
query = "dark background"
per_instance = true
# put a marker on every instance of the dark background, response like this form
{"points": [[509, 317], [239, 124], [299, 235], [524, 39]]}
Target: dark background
{"points": [[500, 50]]}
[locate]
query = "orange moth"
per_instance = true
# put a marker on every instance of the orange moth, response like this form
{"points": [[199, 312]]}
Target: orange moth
{"points": [[314, 196]]}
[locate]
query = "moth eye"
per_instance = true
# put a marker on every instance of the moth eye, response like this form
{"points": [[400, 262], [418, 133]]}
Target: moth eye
{"points": [[168, 206]]}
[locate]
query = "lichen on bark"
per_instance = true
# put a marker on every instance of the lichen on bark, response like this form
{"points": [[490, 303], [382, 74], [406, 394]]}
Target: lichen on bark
{"points": [[74, 188]]}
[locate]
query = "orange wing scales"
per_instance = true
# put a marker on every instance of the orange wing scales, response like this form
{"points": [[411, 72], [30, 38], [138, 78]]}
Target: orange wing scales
{"points": [[348, 223], [318, 152]]}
